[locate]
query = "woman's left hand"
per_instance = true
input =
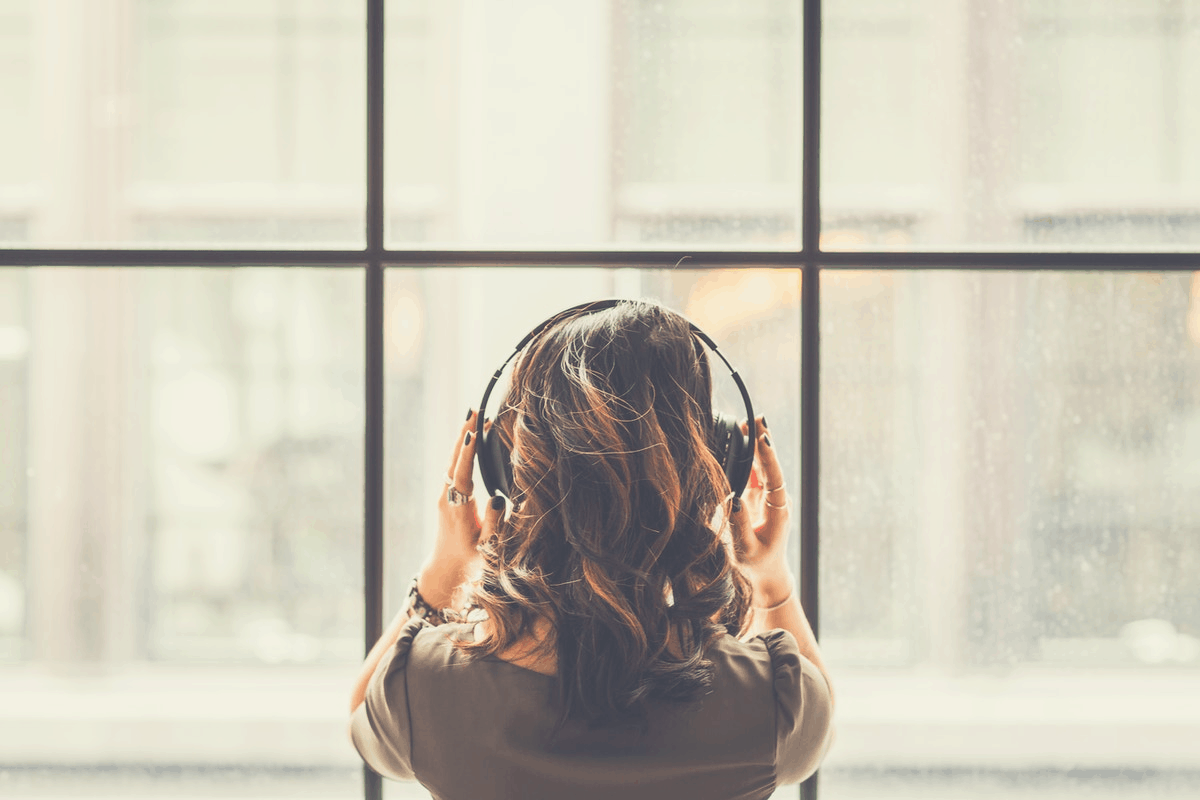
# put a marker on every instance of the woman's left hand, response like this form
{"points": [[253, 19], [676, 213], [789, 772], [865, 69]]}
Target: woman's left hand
{"points": [[455, 557]]}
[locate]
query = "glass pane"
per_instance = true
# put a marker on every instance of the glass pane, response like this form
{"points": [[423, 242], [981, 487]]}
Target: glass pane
{"points": [[14, 410], [180, 545], [1010, 559], [195, 122], [1035, 125], [447, 330], [669, 123]]}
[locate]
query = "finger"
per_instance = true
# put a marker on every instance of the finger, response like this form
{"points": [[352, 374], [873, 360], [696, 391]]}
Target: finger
{"points": [[469, 425], [772, 472], [464, 469], [760, 463], [755, 482], [742, 528], [492, 516], [777, 505]]}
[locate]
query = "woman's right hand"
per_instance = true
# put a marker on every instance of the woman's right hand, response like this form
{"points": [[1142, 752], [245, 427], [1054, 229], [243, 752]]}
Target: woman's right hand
{"points": [[760, 524]]}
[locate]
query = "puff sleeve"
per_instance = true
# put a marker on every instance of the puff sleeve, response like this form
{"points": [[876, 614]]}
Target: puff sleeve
{"points": [[380, 727], [804, 710]]}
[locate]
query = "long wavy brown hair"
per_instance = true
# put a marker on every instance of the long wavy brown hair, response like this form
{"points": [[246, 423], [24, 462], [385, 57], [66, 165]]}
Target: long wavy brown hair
{"points": [[619, 514]]}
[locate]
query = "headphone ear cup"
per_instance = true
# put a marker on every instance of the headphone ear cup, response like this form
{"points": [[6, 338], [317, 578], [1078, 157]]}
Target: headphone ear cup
{"points": [[733, 452], [495, 463]]}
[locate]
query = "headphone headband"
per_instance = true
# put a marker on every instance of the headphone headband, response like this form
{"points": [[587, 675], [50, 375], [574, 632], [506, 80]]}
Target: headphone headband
{"points": [[738, 472]]}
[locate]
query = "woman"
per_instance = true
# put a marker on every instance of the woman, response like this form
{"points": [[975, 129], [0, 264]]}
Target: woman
{"points": [[600, 659]]}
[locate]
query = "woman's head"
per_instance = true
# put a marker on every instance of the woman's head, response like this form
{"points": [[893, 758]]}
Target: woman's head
{"points": [[615, 532]]}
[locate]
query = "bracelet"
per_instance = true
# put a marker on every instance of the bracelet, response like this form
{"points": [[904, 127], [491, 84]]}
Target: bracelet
{"points": [[419, 606], [781, 603]]}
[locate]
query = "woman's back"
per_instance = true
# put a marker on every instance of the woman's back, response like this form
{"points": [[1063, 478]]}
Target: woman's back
{"points": [[484, 728]]}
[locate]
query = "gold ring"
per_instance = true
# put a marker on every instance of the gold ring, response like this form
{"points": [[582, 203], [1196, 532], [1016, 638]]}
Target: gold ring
{"points": [[779, 488], [772, 505]]}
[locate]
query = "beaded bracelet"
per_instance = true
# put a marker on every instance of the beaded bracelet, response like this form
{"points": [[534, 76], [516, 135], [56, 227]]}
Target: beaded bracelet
{"points": [[420, 606]]}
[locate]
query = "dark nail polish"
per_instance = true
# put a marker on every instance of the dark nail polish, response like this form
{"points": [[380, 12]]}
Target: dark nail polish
{"points": [[764, 423], [736, 504], [469, 412], [467, 440], [767, 441], [498, 503]]}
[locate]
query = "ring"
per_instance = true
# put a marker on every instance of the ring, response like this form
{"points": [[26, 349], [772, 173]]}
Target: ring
{"points": [[456, 498], [772, 505], [778, 488]]}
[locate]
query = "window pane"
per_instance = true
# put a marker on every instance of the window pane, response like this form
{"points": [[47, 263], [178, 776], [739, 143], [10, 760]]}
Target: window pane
{"points": [[1038, 125], [669, 123], [1010, 551], [181, 547], [14, 409], [16, 103], [196, 122]]}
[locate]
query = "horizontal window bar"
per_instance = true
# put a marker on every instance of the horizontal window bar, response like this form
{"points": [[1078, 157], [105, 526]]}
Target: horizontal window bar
{"points": [[1009, 260], [182, 258], [1153, 262]]}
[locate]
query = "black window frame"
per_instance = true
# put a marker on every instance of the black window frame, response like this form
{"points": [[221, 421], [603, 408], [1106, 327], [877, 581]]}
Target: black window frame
{"points": [[809, 259]]}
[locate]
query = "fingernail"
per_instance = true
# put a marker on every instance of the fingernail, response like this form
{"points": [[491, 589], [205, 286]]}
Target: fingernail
{"points": [[766, 440], [467, 440], [470, 411], [764, 422], [498, 503], [736, 504]]}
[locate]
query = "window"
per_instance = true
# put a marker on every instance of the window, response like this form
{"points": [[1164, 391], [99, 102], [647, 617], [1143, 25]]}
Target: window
{"points": [[251, 251]]}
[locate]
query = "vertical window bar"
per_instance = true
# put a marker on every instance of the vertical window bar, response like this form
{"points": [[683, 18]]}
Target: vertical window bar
{"points": [[810, 330], [373, 486], [375, 45], [373, 446], [810, 200], [810, 420]]}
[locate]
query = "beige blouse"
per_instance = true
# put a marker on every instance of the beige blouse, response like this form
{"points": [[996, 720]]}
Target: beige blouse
{"points": [[474, 730]]}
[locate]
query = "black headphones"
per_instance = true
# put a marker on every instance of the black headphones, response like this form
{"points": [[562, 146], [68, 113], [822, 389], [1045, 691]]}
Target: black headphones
{"points": [[733, 449]]}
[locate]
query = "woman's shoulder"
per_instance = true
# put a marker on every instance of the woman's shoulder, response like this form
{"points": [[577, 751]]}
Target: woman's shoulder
{"points": [[756, 656], [439, 639], [804, 706], [402, 649], [774, 656], [435, 647]]}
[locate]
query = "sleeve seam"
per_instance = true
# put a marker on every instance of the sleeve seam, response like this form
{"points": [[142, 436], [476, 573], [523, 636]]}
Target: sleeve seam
{"points": [[412, 745], [775, 705]]}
